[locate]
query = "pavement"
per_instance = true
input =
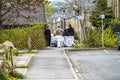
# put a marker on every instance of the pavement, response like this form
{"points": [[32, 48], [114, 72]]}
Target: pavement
{"points": [[50, 64], [22, 62]]}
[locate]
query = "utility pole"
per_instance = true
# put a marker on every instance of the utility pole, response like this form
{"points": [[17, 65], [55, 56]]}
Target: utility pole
{"points": [[63, 19]]}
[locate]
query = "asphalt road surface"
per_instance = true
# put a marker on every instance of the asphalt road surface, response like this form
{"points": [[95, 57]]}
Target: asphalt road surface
{"points": [[97, 64]]}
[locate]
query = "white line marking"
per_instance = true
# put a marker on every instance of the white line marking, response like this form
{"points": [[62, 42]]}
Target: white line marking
{"points": [[105, 51], [25, 71], [76, 77]]}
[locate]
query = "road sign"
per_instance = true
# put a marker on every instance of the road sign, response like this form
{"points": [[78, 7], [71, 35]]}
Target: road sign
{"points": [[76, 17], [102, 16], [81, 17]]}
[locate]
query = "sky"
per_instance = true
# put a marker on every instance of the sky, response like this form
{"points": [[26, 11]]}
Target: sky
{"points": [[54, 0]]}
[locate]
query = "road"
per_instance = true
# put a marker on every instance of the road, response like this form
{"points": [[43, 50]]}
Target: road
{"points": [[97, 64]]}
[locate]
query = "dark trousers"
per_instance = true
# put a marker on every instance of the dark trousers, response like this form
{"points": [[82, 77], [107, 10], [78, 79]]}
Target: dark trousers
{"points": [[48, 41]]}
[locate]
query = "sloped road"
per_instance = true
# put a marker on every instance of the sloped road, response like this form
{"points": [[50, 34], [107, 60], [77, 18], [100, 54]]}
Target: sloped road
{"points": [[97, 64], [49, 64]]}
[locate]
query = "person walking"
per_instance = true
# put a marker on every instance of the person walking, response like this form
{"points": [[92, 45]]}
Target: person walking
{"points": [[59, 33], [70, 35], [47, 34], [65, 35]]}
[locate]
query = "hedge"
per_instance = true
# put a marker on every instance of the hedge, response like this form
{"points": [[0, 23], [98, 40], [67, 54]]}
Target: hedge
{"points": [[19, 37]]}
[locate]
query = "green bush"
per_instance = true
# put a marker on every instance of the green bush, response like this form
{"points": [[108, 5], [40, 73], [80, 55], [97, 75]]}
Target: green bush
{"points": [[94, 38], [37, 38], [77, 36], [18, 75], [115, 25], [12, 78], [30, 51], [15, 51], [3, 76], [3, 72], [110, 39], [76, 45], [19, 36]]}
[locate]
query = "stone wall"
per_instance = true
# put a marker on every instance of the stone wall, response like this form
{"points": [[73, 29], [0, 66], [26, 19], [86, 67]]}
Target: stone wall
{"points": [[24, 14]]}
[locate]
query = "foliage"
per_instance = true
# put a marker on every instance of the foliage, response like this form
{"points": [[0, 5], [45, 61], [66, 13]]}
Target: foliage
{"points": [[48, 8], [22, 52], [76, 45], [115, 25], [8, 60], [18, 75], [3, 76], [94, 38], [15, 51], [9, 65], [37, 25], [19, 36], [12, 78], [101, 8], [3, 73], [7, 70], [79, 7], [38, 40], [109, 38], [76, 36], [37, 36], [30, 51], [116, 20], [24, 66]]}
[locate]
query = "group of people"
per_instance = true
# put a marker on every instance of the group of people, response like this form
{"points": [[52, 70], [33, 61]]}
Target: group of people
{"points": [[63, 37]]}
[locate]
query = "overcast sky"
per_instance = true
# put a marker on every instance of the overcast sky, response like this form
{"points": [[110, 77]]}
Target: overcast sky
{"points": [[52, 0]]}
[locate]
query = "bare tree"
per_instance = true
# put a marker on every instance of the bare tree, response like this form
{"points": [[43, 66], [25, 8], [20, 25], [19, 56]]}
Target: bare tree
{"points": [[79, 7]]}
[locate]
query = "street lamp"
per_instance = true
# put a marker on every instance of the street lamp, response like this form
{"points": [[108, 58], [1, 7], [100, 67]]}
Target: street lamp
{"points": [[63, 19], [102, 16]]}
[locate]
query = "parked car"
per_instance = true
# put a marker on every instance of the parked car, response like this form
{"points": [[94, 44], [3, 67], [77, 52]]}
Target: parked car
{"points": [[118, 40], [53, 41]]}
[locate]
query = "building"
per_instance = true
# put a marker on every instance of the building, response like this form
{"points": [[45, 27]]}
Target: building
{"points": [[67, 17], [116, 6]]}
